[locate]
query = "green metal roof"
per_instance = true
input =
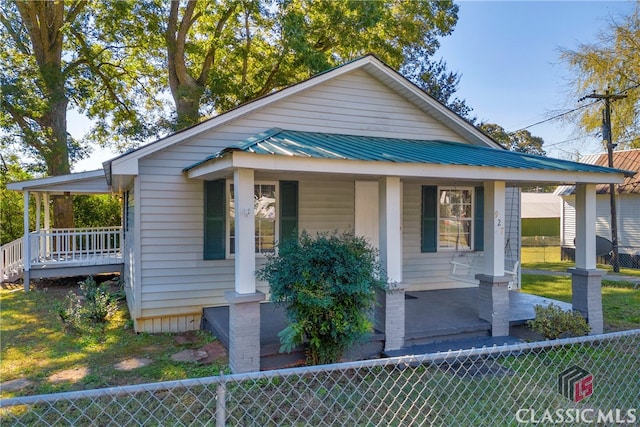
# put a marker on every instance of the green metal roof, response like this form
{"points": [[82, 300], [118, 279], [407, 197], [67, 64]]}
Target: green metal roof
{"points": [[321, 145]]}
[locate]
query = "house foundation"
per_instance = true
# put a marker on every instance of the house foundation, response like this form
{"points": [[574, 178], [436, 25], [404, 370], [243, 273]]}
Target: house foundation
{"points": [[586, 296], [244, 331], [493, 294]]}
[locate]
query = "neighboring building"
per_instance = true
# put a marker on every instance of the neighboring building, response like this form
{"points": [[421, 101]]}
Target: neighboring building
{"points": [[627, 209], [357, 147], [540, 217]]}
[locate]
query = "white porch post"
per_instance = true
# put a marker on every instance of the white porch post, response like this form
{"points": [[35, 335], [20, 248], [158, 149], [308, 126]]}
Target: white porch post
{"points": [[244, 301], [586, 280], [26, 244], [494, 285], [47, 223], [390, 206]]}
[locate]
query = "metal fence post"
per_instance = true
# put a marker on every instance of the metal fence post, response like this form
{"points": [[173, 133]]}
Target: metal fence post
{"points": [[221, 396]]}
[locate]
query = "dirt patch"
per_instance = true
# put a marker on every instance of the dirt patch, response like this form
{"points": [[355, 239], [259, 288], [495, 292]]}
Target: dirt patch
{"points": [[132, 363], [69, 375], [215, 353], [15, 385]]}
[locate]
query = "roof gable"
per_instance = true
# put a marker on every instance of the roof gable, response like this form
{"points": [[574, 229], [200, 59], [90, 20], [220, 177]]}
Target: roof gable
{"points": [[127, 163]]}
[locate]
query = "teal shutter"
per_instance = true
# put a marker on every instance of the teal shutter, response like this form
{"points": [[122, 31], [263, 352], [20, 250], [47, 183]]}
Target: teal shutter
{"points": [[288, 210], [478, 221], [215, 214], [429, 219]]}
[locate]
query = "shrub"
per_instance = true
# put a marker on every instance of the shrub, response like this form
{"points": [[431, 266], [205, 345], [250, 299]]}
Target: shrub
{"points": [[553, 322], [327, 285], [95, 304]]}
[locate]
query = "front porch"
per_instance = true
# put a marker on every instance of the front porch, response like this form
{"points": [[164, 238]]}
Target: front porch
{"points": [[433, 320]]}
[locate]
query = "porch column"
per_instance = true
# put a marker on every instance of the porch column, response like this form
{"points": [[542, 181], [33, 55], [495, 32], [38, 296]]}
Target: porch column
{"points": [[244, 301], [26, 243], [47, 223], [494, 285], [586, 280], [390, 205]]}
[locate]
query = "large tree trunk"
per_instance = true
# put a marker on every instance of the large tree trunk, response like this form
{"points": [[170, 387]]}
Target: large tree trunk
{"points": [[44, 21]]}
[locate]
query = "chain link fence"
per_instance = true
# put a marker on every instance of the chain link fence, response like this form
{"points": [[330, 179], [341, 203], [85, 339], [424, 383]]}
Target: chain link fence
{"points": [[587, 380]]}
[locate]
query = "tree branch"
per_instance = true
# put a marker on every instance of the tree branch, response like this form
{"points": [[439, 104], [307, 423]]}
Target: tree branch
{"points": [[210, 56]]}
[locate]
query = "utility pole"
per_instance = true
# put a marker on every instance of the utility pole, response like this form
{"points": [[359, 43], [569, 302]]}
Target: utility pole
{"points": [[607, 137]]}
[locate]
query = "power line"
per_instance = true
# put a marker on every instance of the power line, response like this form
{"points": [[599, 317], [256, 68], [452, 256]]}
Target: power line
{"points": [[553, 118]]}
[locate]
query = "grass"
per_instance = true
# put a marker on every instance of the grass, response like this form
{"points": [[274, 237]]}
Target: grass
{"points": [[34, 346], [548, 258], [620, 301]]}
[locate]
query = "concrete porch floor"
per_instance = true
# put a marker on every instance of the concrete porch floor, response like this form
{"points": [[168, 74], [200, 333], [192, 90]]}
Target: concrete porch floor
{"points": [[448, 315]]}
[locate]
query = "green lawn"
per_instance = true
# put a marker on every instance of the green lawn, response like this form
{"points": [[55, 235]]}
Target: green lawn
{"points": [[35, 347], [620, 301], [548, 258]]}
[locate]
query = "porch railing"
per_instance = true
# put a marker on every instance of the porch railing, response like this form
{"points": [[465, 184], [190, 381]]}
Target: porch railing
{"points": [[61, 245], [75, 244]]}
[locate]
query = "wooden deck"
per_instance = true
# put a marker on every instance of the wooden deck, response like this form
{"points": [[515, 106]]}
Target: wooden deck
{"points": [[63, 252]]}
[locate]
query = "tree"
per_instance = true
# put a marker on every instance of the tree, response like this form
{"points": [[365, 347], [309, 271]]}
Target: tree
{"points": [[520, 141], [327, 285], [612, 62], [11, 202], [53, 60], [221, 54], [437, 81]]}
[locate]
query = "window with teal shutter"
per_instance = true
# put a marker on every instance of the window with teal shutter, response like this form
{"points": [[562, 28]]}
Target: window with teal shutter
{"points": [[288, 209], [215, 213], [478, 232], [429, 219]]}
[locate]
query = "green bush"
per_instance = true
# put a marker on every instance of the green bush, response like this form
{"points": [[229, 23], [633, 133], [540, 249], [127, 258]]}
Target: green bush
{"points": [[327, 285], [95, 304], [553, 322]]}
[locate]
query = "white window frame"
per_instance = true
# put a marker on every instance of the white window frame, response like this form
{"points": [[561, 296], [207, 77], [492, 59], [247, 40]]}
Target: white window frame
{"points": [[471, 219], [229, 183]]}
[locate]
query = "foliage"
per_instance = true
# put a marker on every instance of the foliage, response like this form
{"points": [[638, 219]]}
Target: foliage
{"points": [[222, 54], [99, 210], [96, 304], [11, 202], [520, 141], [434, 78], [553, 322], [328, 286], [612, 62]]}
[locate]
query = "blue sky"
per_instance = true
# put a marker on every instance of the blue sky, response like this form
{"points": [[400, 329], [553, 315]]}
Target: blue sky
{"points": [[507, 54]]}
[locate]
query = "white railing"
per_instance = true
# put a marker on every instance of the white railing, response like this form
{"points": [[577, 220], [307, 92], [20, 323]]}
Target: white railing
{"points": [[11, 256], [61, 245], [75, 244]]}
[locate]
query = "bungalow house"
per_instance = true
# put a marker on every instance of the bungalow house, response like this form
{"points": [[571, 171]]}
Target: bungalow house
{"points": [[627, 209], [357, 147]]}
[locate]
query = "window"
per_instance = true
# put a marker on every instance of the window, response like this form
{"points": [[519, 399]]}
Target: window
{"points": [[452, 219], [271, 219], [264, 208], [455, 218]]}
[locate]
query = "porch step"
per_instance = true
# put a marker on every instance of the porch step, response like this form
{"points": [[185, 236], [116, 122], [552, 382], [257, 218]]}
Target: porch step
{"points": [[476, 329], [453, 345]]}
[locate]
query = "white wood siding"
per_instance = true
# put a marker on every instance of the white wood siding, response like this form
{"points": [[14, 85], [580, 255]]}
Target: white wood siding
{"points": [[628, 210], [176, 281]]}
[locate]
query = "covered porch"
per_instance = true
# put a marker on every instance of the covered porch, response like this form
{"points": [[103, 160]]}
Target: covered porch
{"points": [[437, 320], [392, 165], [57, 252]]}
